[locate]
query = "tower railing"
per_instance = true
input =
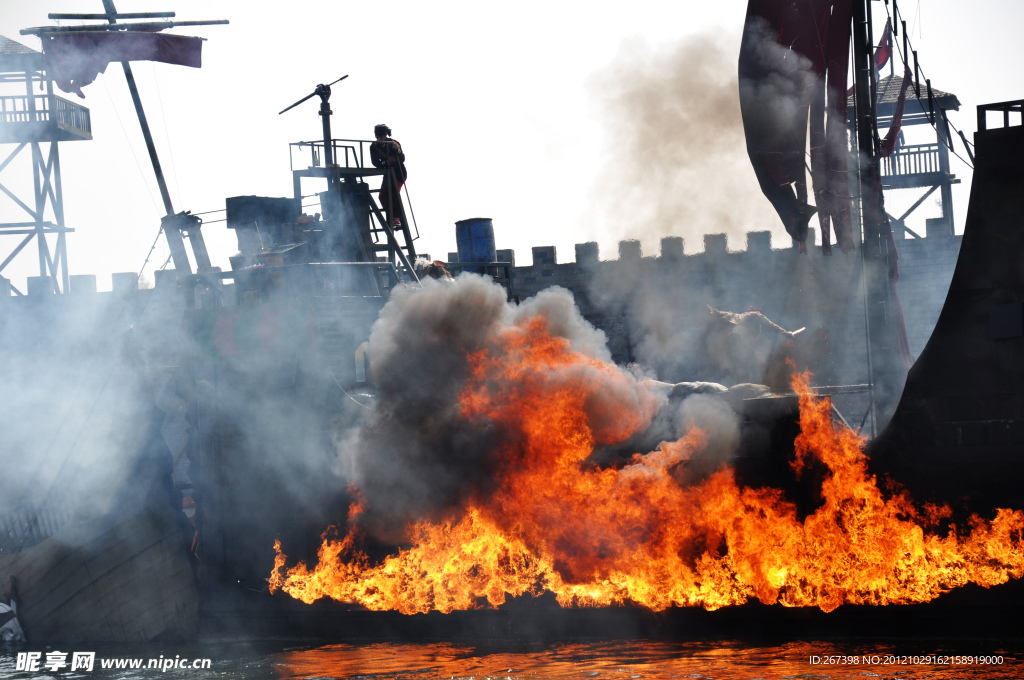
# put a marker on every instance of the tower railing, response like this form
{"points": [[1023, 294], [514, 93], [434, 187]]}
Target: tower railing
{"points": [[69, 116], [347, 153], [913, 159], [352, 158], [72, 116]]}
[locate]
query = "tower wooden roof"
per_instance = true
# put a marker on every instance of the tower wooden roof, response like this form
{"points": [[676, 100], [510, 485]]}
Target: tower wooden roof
{"points": [[17, 57], [916, 110]]}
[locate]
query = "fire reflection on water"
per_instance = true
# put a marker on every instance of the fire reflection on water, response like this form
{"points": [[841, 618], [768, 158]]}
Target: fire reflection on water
{"points": [[626, 659], [618, 659]]}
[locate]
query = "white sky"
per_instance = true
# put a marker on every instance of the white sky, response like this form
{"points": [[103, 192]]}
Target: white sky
{"points": [[498, 105]]}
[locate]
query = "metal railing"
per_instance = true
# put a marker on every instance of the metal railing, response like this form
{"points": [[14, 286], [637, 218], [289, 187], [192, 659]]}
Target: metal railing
{"points": [[15, 110], [347, 153], [351, 154], [73, 116], [26, 527], [915, 159]]}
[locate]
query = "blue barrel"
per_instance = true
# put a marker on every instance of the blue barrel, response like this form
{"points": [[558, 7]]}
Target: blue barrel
{"points": [[475, 241]]}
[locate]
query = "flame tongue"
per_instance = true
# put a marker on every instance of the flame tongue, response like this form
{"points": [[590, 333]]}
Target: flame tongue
{"points": [[637, 534]]}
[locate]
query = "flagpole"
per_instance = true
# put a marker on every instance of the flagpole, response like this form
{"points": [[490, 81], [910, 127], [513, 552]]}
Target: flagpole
{"points": [[876, 254], [108, 5], [173, 234]]}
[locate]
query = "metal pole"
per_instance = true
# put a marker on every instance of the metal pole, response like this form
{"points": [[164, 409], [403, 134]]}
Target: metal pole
{"points": [[325, 116], [108, 5], [58, 210], [173, 235], [945, 143], [884, 367], [164, 194], [871, 54], [863, 67]]}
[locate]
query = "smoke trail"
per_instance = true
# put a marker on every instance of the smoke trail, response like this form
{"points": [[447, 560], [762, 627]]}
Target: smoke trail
{"points": [[418, 456], [679, 166], [677, 162]]}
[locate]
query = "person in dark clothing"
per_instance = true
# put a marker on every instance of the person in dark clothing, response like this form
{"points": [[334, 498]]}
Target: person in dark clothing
{"points": [[387, 153]]}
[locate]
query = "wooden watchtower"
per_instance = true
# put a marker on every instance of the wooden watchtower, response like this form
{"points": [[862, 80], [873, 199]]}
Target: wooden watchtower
{"points": [[34, 118], [918, 166]]}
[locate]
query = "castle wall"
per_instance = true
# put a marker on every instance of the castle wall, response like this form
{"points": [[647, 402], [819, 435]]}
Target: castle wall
{"points": [[652, 307], [926, 268]]}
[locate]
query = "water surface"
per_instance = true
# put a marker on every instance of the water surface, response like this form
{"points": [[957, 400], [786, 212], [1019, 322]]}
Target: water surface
{"points": [[618, 660]]}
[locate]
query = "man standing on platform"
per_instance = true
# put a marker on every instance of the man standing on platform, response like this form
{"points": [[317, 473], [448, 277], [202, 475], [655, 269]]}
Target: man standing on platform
{"points": [[387, 153]]}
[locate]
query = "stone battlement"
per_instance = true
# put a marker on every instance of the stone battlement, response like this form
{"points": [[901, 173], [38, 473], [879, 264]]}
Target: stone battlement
{"points": [[671, 248], [640, 301], [626, 296]]}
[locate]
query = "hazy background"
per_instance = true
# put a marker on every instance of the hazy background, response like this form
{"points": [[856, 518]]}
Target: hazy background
{"points": [[564, 122]]}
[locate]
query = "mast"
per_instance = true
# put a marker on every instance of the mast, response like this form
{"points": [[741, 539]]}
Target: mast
{"points": [[884, 370], [173, 224]]}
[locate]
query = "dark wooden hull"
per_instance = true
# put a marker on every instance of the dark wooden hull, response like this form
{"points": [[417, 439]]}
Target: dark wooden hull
{"points": [[107, 580], [966, 613]]}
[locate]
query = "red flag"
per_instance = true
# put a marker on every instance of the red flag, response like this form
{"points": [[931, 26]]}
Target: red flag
{"points": [[884, 51], [75, 59], [889, 143]]}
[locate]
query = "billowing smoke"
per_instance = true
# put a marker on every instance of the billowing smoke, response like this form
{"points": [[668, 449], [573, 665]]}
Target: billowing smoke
{"points": [[677, 163], [420, 457], [416, 455], [679, 167], [82, 379], [128, 392], [115, 403], [692, 320]]}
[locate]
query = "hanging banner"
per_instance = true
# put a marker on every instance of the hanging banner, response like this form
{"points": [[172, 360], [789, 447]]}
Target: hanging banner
{"points": [[792, 70], [74, 60]]}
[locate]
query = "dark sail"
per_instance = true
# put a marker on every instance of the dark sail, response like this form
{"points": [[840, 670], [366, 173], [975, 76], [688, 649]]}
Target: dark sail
{"points": [[792, 72]]}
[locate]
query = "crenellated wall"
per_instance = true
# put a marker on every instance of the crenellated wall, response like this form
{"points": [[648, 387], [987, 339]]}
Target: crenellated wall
{"points": [[653, 309], [642, 301]]}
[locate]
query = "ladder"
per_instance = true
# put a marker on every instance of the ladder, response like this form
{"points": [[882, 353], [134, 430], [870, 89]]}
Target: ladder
{"points": [[396, 250]]}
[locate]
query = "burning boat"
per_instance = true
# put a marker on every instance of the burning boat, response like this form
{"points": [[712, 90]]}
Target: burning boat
{"points": [[650, 530], [510, 478]]}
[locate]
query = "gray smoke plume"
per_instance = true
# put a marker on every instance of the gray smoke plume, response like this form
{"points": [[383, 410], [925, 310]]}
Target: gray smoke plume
{"points": [[674, 336], [116, 395], [418, 456], [677, 162], [81, 385], [679, 166]]}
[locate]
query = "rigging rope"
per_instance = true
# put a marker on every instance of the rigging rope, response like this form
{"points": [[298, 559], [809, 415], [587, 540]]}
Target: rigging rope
{"points": [[945, 138]]}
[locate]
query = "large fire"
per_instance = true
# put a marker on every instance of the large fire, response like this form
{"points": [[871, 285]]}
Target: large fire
{"points": [[638, 533]]}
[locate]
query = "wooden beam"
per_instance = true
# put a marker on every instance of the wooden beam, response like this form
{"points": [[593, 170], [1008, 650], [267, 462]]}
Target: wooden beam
{"points": [[142, 26], [104, 17]]}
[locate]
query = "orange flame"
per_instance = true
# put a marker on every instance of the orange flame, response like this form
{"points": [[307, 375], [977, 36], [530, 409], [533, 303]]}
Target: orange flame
{"points": [[597, 537]]}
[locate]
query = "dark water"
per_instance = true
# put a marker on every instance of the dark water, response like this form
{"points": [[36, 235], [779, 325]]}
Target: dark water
{"points": [[619, 660]]}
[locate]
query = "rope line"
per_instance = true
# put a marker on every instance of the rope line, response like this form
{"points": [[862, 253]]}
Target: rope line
{"points": [[896, 46], [131, 148]]}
